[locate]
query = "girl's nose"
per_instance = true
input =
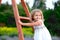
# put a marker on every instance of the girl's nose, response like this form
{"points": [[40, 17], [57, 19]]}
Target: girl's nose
{"points": [[37, 17]]}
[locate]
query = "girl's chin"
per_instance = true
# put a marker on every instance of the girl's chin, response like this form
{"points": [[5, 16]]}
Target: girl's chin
{"points": [[37, 19]]}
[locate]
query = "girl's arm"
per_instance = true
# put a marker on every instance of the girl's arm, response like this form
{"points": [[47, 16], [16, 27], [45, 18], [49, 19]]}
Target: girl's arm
{"points": [[30, 24]]}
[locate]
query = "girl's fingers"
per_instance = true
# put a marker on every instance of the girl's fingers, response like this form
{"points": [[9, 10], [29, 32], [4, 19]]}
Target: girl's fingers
{"points": [[19, 22], [38, 23]]}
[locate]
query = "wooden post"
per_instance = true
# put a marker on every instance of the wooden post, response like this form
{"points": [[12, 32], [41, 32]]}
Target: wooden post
{"points": [[16, 15], [0, 2]]}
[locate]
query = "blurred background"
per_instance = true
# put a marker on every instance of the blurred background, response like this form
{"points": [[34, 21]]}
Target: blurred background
{"points": [[51, 12]]}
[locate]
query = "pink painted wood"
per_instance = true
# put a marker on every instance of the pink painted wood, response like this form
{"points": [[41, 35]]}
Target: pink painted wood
{"points": [[16, 15], [0, 2]]}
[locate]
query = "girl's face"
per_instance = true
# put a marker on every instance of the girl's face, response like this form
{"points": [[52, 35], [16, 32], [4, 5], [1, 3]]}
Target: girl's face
{"points": [[37, 16]]}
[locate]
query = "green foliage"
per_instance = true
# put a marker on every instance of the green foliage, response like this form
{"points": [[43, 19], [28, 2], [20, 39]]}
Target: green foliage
{"points": [[52, 19], [9, 31], [27, 32], [6, 14], [21, 10]]}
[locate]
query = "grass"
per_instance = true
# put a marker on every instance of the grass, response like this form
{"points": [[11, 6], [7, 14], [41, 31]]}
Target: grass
{"points": [[12, 31]]}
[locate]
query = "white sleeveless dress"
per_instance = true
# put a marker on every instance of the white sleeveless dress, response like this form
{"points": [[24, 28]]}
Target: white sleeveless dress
{"points": [[41, 32]]}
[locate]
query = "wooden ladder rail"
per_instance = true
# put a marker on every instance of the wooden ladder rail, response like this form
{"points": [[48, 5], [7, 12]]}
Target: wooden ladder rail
{"points": [[0, 2], [16, 15]]}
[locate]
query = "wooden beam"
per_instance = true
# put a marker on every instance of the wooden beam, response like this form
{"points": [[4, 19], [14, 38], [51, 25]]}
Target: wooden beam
{"points": [[0, 2], [16, 15]]}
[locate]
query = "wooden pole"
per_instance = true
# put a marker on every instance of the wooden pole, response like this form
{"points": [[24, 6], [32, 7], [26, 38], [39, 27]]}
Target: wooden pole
{"points": [[25, 8], [16, 15], [0, 2]]}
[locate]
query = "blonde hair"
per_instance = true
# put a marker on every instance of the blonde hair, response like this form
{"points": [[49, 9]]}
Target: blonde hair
{"points": [[36, 10]]}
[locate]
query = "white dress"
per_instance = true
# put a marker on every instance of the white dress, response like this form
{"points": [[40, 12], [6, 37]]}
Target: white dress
{"points": [[41, 32]]}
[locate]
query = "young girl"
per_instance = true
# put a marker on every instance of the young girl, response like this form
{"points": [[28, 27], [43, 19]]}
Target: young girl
{"points": [[40, 31]]}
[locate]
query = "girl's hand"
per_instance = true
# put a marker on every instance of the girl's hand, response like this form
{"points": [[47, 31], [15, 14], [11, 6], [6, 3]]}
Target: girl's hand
{"points": [[38, 23], [19, 22]]}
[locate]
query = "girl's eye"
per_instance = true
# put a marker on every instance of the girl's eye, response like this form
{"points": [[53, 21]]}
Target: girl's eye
{"points": [[40, 15], [36, 15]]}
